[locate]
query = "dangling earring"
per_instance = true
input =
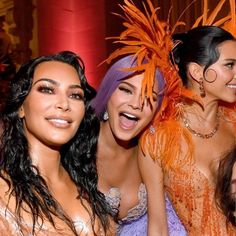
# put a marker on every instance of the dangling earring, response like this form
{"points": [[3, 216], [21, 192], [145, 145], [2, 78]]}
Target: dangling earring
{"points": [[21, 113], [201, 88], [152, 129], [105, 116]]}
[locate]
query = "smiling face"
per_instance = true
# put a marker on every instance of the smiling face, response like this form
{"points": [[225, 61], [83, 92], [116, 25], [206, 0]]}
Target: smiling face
{"points": [[54, 108], [128, 116], [222, 74]]}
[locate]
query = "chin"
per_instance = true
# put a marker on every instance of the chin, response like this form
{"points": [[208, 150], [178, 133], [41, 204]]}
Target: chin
{"points": [[230, 100], [125, 136], [59, 141]]}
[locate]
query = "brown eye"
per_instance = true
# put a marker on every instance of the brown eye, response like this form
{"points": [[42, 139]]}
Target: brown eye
{"points": [[46, 89], [230, 65], [77, 96]]}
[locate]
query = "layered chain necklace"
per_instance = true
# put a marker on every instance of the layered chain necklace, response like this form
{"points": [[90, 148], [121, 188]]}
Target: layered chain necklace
{"points": [[200, 135]]}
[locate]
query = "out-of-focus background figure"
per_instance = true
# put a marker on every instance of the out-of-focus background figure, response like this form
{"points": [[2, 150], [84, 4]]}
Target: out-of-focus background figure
{"points": [[7, 66], [5, 40]]}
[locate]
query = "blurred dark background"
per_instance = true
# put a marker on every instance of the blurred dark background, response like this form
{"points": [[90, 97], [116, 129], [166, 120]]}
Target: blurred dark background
{"points": [[29, 28]]}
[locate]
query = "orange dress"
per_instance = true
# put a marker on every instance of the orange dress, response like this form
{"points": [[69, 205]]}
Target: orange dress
{"points": [[192, 195], [190, 191]]}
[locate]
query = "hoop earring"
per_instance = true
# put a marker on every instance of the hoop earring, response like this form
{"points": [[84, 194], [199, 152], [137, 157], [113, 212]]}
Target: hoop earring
{"points": [[201, 88], [208, 71], [105, 116]]}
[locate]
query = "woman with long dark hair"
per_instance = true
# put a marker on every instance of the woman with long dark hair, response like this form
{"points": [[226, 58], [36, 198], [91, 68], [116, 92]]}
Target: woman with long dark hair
{"points": [[48, 174], [200, 131]]}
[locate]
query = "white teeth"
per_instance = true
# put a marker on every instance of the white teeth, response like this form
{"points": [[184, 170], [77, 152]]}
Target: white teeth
{"points": [[129, 115], [233, 86], [59, 121]]}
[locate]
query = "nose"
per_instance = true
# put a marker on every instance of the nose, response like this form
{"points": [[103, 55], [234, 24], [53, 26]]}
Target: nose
{"points": [[136, 103], [63, 103]]}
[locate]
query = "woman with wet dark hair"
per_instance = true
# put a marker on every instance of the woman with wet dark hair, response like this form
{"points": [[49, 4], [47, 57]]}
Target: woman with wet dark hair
{"points": [[199, 45], [48, 174]]}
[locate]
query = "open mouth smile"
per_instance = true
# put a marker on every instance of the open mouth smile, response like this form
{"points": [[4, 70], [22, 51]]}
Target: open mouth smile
{"points": [[127, 120]]}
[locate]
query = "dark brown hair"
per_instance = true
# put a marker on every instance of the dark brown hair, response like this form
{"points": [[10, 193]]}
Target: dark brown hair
{"points": [[226, 200], [78, 156]]}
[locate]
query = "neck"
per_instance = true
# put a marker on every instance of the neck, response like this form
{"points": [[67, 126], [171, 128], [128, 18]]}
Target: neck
{"points": [[207, 113], [47, 160], [107, 137], [202, 121]]}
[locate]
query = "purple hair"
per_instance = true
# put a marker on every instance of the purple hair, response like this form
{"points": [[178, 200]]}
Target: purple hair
{"points": [[112, 79]]}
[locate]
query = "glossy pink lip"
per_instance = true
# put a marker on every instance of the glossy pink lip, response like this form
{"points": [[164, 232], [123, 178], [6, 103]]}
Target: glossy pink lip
{"points": [[60, 117], [59, 121]]}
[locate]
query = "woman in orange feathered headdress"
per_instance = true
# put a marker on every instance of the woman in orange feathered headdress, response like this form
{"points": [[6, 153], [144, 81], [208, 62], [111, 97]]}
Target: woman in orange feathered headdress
{"points": [[126, 102], [186, 148], [196, 123]]}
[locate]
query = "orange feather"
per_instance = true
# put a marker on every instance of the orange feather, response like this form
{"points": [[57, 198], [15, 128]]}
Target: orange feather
{"points": [[228, 22]]}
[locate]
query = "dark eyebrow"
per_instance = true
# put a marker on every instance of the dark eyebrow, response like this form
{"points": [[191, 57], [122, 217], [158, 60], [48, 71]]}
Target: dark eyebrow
{"points": [[124, 82], [75, 86], [47, 80], [231, 59], [127, 83], [56, 83]]}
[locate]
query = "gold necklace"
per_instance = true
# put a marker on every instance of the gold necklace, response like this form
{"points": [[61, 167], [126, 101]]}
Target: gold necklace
{"points": [[200, 135]]}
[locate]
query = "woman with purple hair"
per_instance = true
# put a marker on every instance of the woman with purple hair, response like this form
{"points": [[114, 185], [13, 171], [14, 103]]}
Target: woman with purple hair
{"points": [[124, 115]]}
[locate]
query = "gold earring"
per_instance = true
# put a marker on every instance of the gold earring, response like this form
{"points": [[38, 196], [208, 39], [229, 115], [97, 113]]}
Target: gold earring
{"points": [[201, 88], [21, 113]]}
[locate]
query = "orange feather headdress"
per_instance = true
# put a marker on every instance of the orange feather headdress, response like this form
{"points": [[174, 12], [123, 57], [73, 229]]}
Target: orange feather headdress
{"points": [[228, 22], [149, 40]]}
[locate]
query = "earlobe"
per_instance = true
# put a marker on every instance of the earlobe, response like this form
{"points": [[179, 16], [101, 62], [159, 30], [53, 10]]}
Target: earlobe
{"points": [[195, 71], [21, 112]]}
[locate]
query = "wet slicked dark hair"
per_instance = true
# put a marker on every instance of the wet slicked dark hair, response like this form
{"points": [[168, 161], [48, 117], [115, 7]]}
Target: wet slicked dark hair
{"points": [[77, 157], [198, 45]]}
